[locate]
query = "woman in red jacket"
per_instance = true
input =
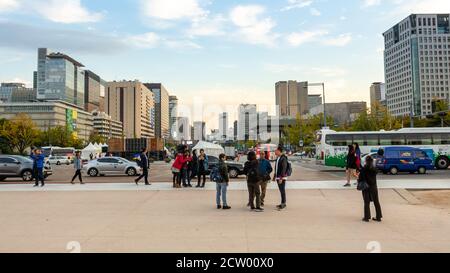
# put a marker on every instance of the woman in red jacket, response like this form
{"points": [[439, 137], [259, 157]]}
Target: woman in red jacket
{"points": [[178, 165]]}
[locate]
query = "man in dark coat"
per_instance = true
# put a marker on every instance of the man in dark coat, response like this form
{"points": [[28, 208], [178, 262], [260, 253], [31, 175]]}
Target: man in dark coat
{"points": [[369, 175], [144, 166]]}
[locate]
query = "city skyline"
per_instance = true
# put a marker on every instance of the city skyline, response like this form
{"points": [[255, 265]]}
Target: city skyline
{"points": [[239, 48]]}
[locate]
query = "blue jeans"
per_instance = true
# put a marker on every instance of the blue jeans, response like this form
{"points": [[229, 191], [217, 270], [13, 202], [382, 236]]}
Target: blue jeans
{"points": [[221, 191]]}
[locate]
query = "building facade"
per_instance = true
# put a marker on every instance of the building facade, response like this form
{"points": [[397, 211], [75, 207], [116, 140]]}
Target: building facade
{"points": [[416, 63], [377, 94], [199, 131], [105, 126], [60, 77], [342, 112], [292, 98], [314, 101], [162, 119], [50, 114], [131, 103], [223, 126], [16, 92], [173, 112], [94, 92], [182, 130], [247, 122]]}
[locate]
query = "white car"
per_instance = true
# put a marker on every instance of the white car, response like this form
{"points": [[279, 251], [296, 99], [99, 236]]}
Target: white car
{"points": [[59, 160], [111, 166]]}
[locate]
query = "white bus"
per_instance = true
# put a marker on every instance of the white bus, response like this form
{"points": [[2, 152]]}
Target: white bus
{"points": [[332, 146]]}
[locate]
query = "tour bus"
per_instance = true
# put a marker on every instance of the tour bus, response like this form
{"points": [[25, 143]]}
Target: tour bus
{"points": [[332, 146], [58, 151]]}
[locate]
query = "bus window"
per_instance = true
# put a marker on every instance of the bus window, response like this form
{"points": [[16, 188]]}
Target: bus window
{"points": [[418, 139], [367, 140], [441, 139], [392, 139], [339, 140]]}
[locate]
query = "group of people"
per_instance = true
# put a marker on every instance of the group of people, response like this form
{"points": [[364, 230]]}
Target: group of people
{"points": [[367, 175], [189, 165]]}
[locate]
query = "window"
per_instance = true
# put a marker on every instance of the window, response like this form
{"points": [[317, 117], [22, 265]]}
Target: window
{"points": [[108, 160], [392, 139], [339, 140], [419, 139], [441, 139], [421, 154], [8, 160], [366, 140]]}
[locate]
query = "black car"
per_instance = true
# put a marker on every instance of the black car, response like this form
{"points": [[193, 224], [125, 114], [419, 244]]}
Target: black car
{"points": [[234, 168]]}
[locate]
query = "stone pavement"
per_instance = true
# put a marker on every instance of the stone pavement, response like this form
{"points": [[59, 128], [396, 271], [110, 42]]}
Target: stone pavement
{"points": [[317, 220]]}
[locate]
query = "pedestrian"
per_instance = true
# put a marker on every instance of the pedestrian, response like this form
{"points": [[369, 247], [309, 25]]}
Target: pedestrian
{"points": [[34, 175], [350, 165], [178, 164], [265, 169], [358, 156], [370, 194], [78, 166], [144, 167], [203, 166], [193, 165], [185, 170], [254, 192], [281, 174], [222, 184], [38, 160]]}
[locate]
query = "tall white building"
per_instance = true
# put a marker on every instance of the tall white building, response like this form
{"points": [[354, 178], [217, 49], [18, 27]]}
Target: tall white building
{"points": [[247, 122], [223, 126], [199, 131], [416, 60], [182, 131]]}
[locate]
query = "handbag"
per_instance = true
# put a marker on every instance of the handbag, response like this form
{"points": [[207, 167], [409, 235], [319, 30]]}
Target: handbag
{"points": [[175, 170], [362, 185]]}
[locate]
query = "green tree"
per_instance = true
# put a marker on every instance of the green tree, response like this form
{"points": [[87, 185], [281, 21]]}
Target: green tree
{"points": [[20, 133], [94, 137]]}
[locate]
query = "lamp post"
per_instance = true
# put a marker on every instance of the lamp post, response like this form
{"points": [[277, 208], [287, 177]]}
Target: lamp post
{"points": [[324, 104]]}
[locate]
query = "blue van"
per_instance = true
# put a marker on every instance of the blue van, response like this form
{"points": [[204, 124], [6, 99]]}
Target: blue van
{"points": [[404, 159]]}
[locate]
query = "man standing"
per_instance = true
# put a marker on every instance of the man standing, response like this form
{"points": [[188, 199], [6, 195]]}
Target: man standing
{"points": [[222, 184], [281, 168], [254, 191], [38, 160], [144, 166], [265, 169]]}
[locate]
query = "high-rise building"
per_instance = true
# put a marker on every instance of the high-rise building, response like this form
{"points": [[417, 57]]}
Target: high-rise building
{"points": [[105, 126], [182, 130], [35, 79], [173, 112], [16, 92], [199, 131], [235, 130], [94, 92], [60, 77], [247, 122], [162, 111], [292, 98], [313, 101], [377, 94], [342, 112], [223, 126], [417, 63], [131, 103]]}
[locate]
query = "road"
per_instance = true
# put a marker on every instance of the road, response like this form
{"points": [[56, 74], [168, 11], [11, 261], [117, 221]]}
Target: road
{"points": [[302, 171]]}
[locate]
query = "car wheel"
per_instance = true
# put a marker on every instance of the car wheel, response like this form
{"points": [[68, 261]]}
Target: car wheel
{"points": [[93, 172], [27, 176], [393, 171], [422, 170], [58, 163], [2, 179], [67, 163], [233, 173], [442, 163], [131, 172]]}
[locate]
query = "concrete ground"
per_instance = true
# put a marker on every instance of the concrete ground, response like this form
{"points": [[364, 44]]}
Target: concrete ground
{"points": [[187, 221]]}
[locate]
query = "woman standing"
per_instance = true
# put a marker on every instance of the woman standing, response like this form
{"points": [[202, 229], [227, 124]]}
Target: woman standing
{"points": [[358, 156], [78, 166], [186, 173], [193, 165], [254, 191], [177, 167], [351, 165], [369, 175], [203, 167]]}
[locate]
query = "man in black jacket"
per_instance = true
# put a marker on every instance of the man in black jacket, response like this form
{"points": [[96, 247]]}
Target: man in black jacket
{"points": [[144, 166], [369, 175], [281, 168]]}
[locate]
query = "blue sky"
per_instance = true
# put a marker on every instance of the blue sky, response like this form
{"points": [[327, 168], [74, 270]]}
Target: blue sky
{"points": [[226, 51]]}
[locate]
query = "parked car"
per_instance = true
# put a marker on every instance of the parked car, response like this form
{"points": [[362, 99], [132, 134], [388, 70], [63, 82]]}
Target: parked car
{"points": [[19, 166], [111, 166], [234, 168], [404, 159], [373, 155], [297, 156], [59, 160]]}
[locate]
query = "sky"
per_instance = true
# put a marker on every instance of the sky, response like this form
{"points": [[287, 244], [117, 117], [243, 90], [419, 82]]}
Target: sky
{"points": [[225, 51]]}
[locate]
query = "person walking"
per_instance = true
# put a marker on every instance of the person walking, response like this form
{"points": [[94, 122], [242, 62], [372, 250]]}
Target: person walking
{"points": [[78, 166], [281, 174], [144, 167], [222, 184], [351, 165], [265, 169], [203, 166], [39, 159], [251, 171], [369, 175]]}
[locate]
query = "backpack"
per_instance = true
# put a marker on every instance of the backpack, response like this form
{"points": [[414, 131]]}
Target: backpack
{"points": [[215, 175], [254, 174], [289, 168]]}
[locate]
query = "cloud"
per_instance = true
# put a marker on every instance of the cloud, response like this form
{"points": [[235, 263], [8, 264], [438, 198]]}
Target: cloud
{"points": [[306, 71], [8, 5], [21, 36], [252, 26], [295, 4], [151, 40], [341, 40], [315, 12], [172, 9], [421, 6], [370, 3], [207, 26], [299, 38]]}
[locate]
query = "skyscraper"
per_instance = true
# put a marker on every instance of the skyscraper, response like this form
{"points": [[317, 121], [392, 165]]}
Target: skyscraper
{"points": [[199, 130], [377, 94], [247, 122], [94, 92], [416, 60], [183, 129], [60, 77], [162, 109], [313, 101], [292, 98], [133, 104], [223, 126], [173, 112]]}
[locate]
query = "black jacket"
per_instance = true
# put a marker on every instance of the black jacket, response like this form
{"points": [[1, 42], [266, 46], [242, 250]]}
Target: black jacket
{"points": [[251, 171], [144, 161], [369, 174], [281, 167], [351, 161]]}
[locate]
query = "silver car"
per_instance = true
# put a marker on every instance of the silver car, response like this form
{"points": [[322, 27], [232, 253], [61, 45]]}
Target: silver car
{"points": [[19, 166], [111, 166]]}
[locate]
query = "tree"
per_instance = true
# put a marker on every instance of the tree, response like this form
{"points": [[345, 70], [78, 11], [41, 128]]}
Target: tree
{"points": [[20, 133], [94, 137], [378, 119]]}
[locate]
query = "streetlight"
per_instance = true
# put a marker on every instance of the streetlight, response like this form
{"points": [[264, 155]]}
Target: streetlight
{"points": [[324, 104]]}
